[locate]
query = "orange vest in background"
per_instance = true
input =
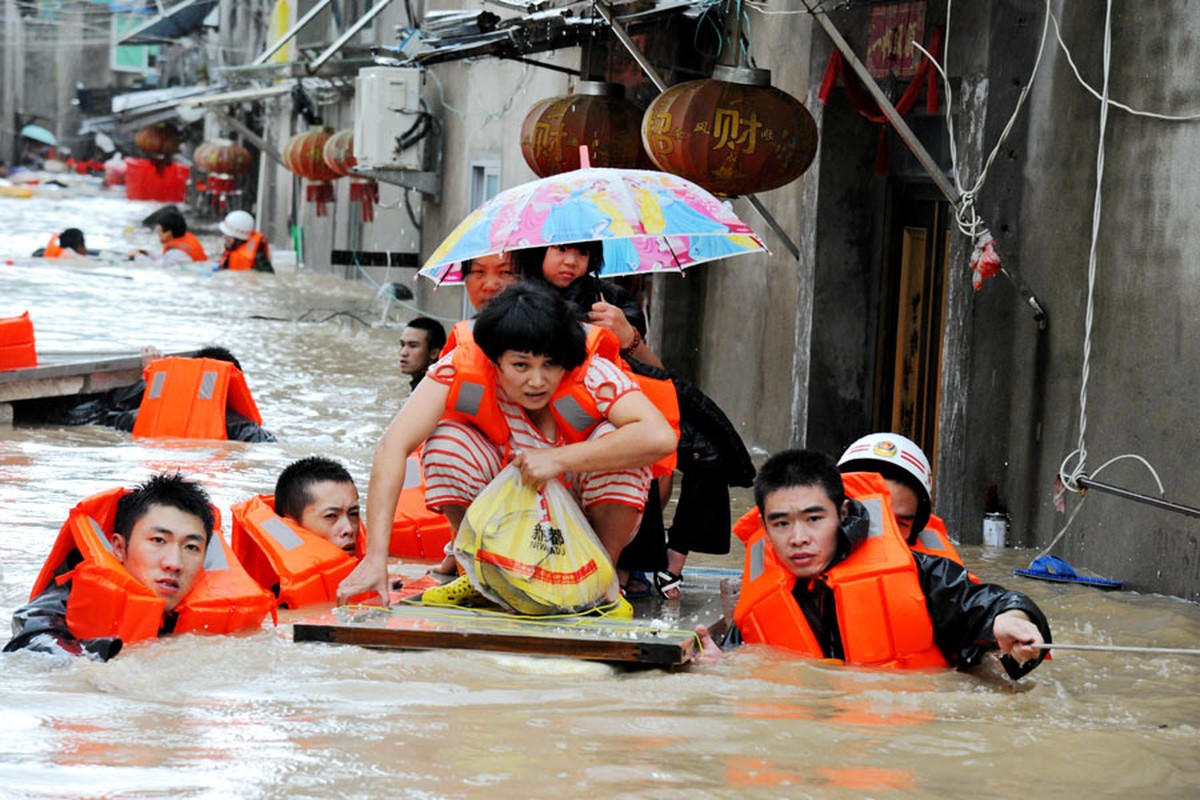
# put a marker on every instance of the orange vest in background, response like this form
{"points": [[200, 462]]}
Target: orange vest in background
{"points": [[186, 398], [189, 244], [106, 600], [17, 350], [278, 552], [242, 257], [881, 612], [417, 532], [53, 248], [935, 541]]}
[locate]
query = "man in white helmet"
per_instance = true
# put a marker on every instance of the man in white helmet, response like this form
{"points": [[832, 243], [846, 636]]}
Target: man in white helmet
{"points": [[903, 466], [245, 248]]}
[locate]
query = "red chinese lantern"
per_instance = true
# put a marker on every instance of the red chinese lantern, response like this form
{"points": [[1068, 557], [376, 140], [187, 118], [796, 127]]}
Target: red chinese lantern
{"points": [[732, 134], [224, 161], [304, 154], [597, 115], [339, 157], [161, 140]]}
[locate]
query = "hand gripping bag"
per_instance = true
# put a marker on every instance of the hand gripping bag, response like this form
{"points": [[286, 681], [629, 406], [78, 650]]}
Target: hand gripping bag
{"points": [[533, 551]]}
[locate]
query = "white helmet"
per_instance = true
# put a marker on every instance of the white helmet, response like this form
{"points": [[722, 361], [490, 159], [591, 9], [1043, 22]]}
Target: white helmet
{"points": [[238, 224], [904, 461]]}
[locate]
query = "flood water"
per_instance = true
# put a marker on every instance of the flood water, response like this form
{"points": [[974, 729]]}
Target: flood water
{"points": [[257, 716]]}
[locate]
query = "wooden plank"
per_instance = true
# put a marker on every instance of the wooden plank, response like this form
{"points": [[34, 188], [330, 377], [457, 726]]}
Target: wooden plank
{"points": [[661, 634]]}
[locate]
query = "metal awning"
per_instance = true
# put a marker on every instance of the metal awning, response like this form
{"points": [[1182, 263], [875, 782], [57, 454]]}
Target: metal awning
{"points": [[238, 95], [134, 110], [172, 24]]}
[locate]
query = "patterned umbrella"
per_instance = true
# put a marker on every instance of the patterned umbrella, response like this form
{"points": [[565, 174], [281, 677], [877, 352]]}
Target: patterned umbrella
{"points": [[648, 222]]}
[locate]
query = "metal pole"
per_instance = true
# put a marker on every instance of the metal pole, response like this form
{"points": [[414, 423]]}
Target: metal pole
{"points": [[353, 30], [619, 31], [1088, 483], [287, 37]]}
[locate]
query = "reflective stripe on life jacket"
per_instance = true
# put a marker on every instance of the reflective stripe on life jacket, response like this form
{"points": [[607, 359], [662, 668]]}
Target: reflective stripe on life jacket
{"points": [[935, 541], [881, 612], [242, 257], [106, 600], [187, 398], [189, 244], [277, 552], [17, 346], [417, 532], [473, 400], [53, 248]]}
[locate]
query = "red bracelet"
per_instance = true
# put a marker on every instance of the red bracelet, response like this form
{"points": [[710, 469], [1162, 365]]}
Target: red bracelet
{"points": [[633, 344]]}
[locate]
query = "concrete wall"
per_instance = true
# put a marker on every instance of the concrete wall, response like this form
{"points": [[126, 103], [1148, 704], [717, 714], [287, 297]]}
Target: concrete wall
{"points": [[1144, 345]]}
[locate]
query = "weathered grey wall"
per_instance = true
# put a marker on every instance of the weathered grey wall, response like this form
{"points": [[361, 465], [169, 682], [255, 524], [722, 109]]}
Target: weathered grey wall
{"points": [[1144, 345]]}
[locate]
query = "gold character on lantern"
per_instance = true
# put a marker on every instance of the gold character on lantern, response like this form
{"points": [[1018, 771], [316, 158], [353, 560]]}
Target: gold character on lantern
{"points": [[734, 132]]}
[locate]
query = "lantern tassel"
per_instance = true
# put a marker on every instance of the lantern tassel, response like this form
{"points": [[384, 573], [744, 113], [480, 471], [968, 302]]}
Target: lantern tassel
{"points": [[321, 193], [366, 193]]}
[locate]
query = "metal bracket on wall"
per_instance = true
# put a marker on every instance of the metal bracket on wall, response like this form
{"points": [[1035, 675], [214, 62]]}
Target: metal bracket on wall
{"points": [[606, 12], [427, 183]]}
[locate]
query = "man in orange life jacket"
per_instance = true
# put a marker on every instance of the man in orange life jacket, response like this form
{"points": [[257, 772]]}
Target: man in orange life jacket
{"points": [[245, 248], [903, 465], [69, 243], [180, 246], [823, 550], [319, 495], [161, 534]]}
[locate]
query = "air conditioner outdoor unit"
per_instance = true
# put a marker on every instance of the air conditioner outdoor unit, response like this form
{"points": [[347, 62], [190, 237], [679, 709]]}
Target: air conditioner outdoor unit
{"points": [[387, 104]]}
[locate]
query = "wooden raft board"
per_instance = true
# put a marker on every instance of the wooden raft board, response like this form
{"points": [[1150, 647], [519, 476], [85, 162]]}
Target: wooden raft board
{"points": [[661, 633]]}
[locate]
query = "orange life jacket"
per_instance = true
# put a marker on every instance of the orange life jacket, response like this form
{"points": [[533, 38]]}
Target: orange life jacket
{"points": [[242, 257], [106, 600], [604, 343], [53, 248], [187, 397], [189, 244], [473, 399], [275, 551], [417, 532], [935, 541], [881, 612], [17, 348]]}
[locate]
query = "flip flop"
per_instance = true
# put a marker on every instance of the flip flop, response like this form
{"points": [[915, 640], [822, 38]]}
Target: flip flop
{"points": [[666, 581], [1053, 568], [637, 586]]}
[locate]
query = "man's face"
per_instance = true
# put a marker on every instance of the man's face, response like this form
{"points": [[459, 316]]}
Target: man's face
{"points": [[528, 379], [904, 506], [230, 242], [413, 351], [163, 236], [165, 552], [487, 277], [333, 513], [563, 265], [802, 524]]}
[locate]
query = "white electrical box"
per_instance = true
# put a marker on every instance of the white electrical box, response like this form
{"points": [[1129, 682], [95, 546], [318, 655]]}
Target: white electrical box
{"points": [[387, 106]]}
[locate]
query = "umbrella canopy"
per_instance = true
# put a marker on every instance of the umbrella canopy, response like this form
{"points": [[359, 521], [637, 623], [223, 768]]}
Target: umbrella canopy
{"points": [[39, 134], [647, 221]]}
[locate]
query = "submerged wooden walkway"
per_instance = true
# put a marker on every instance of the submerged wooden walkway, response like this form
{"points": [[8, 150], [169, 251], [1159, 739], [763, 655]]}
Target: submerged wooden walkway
{"points": [[661, 634], [64, 374]]}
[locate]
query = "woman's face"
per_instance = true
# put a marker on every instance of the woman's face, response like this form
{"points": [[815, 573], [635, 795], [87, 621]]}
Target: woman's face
{"points": [[564, 264], [528, 379]]}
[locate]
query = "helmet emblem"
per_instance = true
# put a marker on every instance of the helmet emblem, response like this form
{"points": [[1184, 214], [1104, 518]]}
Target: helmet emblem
{"points": [[884, 449]]}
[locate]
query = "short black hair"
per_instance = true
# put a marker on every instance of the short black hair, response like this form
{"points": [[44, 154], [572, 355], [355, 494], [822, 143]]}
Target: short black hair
{"points": [[172, 222], [531, 318], [798, 468], [218, 354], [169, 489], [529, 259], [72, 239], [292, 489], [154, 216], [436, 334]]}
